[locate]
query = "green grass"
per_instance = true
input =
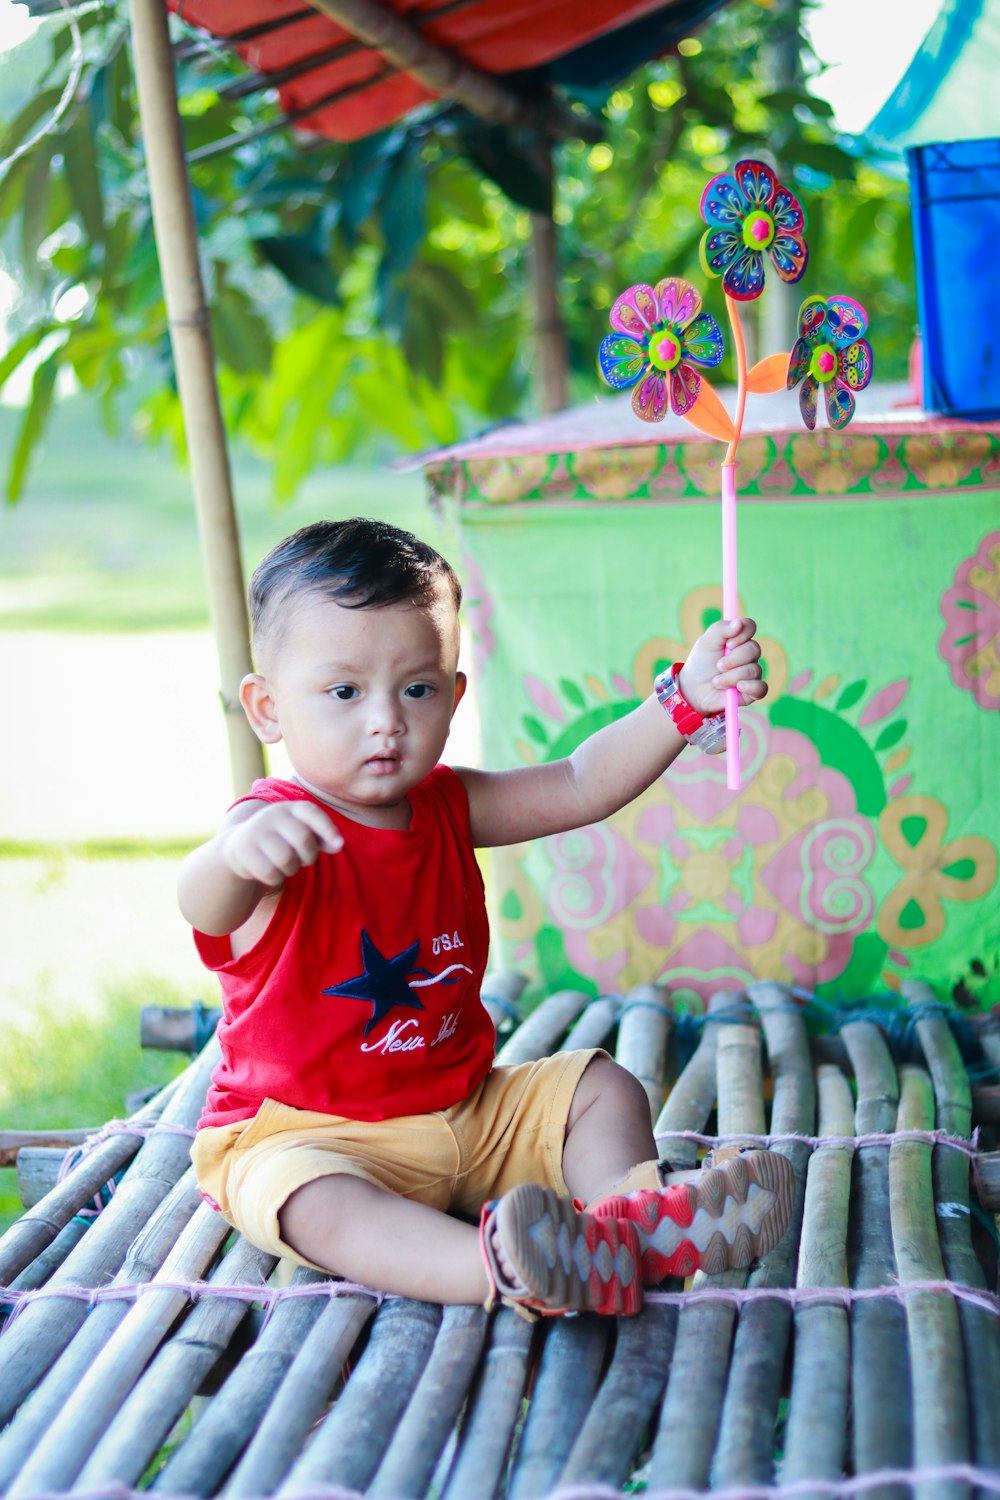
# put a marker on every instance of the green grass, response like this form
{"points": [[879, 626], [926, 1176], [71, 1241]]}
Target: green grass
{"points": [[106, 537], [67, 1071]]}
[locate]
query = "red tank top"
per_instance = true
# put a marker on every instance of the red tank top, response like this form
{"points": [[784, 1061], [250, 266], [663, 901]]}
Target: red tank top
{"points": [[362, 997]]}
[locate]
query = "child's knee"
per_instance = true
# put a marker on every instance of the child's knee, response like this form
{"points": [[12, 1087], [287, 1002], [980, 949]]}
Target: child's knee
{"points": [[607, 1081]]}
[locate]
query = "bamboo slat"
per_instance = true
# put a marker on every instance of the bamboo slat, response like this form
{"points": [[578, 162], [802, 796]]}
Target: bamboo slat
{"points": [[937, 1368], [495, 1404], [881, 1424], [502, 989], [348, 1447], [564, 1385], [227, 1425], [159, 1398], [623, 1407], [816, 1433], [543, 1030], [692, 1406], [14, 1141], [300, 1401], [643, 1037], [85, 1415], [692, 1098], [426, 1425], [594, 1025], [745, 1449], [145, 1257], [43, 1329]]}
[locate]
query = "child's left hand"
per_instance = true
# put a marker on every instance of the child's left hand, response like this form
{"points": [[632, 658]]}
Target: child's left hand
{"points": [[706, 673]]}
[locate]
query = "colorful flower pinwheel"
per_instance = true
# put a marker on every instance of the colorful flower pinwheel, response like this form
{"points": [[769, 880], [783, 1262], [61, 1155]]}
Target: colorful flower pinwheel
{"points": [[749, 213], [661, 334], [831, 352]]}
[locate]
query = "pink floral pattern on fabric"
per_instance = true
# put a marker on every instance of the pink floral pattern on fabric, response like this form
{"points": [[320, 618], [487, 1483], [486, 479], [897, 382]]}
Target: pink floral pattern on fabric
{"points": [[970, 641]]}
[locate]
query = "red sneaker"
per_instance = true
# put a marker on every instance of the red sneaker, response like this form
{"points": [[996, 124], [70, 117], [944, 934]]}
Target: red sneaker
{"points": [[729, 1216], [564, 1260]]}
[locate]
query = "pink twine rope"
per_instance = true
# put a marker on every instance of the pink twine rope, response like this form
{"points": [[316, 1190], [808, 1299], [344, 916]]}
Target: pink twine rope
{"points": [[194, 1290], [816, 1142], [840, 1296], [986, 1480]]}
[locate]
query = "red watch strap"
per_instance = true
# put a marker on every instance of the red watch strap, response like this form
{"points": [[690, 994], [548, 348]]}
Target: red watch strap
{"points": [[687, 720]]}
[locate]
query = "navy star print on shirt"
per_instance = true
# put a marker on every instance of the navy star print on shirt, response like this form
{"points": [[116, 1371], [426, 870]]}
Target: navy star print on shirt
{"points": [[383, 981]]}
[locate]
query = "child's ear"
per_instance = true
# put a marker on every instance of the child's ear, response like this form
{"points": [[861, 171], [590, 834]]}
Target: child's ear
{"points": [[461, 683], [258, 705]]}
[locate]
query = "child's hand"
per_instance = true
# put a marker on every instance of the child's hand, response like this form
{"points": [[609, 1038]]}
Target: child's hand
{"points": [[707, 673], [278, 840]]}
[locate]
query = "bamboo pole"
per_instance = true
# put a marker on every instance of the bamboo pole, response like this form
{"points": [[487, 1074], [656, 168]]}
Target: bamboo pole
{"points": [[562, 1391], [348, 1448], [643, 1037], [692, 1097], [816, 1434], [146, 1417], [594, 1025], [85, 1416], [623, 1407], [230, 1421], [450, 76], [551, 351], [937, 1372], [43, 1329], [689, 1417], [540, 1033], [145, 1256], [13, 1141], [427, 1423], [494, 1407], [501, 992], [191, 341], [745, 1449], [880, 1367], [950, 1175]]}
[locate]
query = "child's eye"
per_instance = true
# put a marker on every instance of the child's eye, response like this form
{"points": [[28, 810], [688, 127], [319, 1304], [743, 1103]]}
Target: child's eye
{"points": [[344, 692], [419, 690]]}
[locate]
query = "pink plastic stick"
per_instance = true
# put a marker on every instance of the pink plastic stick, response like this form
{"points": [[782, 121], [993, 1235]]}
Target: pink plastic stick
{"points": [[730, 610]]}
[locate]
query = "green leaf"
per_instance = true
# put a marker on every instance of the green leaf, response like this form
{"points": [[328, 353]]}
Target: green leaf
{"points": [[891, 735], [35, 213], [535, 729], [23, 347], [499, 153], [851, 694], [572, 693], [302, 266], [404, 213], [43, 386], [242, 337], [824, 156], [24, 122], [81, 175]]}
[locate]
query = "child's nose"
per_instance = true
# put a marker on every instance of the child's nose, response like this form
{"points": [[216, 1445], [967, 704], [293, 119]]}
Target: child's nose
{"points": [[384, 716]]}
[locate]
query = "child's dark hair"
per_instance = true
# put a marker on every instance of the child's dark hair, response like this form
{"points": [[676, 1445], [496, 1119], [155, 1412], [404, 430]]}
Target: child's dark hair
{"points": [[362, 564]]}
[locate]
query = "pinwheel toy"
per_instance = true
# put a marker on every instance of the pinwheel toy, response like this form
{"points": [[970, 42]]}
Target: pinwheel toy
{"points": [[662, 341]]}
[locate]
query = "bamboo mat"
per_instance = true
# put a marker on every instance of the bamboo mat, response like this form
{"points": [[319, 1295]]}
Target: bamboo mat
{"points": [[147, 1348]]}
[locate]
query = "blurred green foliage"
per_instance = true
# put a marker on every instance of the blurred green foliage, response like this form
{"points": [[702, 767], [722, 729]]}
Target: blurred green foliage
{"points": [[374, 295]]}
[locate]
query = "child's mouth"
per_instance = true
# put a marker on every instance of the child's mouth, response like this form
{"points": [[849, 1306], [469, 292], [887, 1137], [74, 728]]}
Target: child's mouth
{"points": [[383, 765]]}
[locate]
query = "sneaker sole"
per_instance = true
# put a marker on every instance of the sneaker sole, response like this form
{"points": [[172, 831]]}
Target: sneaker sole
{"points": [[735, 1213], [569, 1261]]}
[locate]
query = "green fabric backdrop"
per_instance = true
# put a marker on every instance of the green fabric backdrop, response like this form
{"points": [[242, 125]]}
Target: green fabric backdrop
{"points": [[863, 846]]}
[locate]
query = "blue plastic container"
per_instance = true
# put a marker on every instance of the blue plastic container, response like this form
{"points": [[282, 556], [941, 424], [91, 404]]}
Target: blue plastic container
{"points": [[955, 200]]}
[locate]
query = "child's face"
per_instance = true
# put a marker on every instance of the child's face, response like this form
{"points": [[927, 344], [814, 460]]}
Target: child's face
{"points": [[363, 699]]}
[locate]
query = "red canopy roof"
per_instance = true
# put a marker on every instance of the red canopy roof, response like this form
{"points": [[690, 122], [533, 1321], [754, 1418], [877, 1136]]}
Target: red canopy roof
{"points": [[343, 88]]}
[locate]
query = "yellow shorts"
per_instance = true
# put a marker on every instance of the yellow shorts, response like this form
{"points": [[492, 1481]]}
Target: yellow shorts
{"points": [[510, 1130]]}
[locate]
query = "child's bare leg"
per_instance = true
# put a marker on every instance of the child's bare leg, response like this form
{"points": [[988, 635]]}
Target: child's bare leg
{"points": [[365, 1234], [608, 1131]]}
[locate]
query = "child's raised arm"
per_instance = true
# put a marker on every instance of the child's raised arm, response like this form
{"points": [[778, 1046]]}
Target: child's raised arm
{"points": [[221, 883], [614, 765]]}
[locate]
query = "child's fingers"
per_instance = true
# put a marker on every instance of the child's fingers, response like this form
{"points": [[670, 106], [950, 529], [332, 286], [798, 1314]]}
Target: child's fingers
{"points": [[328, 836]]}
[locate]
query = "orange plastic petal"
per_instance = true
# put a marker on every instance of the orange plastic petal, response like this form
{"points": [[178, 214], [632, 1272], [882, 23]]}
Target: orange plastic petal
{"points": [[709, 415], [769, 374]]}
